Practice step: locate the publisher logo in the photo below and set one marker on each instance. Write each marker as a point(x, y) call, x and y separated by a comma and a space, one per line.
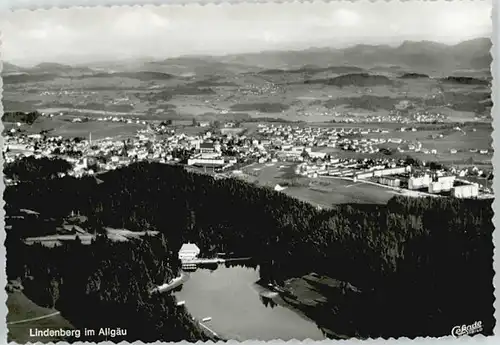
point(461, 330)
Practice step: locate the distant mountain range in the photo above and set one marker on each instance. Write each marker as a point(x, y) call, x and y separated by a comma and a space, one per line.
point(45, 67)
point(472, 54)
point(422, 56)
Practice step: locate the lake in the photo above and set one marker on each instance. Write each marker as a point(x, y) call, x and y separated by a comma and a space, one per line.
point(232, 298)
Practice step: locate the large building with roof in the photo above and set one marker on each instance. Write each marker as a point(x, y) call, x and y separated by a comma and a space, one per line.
point(188, 251)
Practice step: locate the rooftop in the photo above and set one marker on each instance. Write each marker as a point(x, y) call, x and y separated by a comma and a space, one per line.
point(189, 247)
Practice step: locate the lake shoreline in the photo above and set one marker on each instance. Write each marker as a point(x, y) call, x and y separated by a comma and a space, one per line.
point(300, 297)
point(241, 309)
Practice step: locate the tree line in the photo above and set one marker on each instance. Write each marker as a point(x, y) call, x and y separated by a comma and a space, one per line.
point(20, 116)
point(411, 259)
point(105, 284)
point(33, 169)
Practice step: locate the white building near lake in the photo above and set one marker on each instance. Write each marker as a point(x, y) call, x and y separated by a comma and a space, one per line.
point(188, 251)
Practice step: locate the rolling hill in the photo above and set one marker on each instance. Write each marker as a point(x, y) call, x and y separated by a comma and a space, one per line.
point(422, 57)
point(354, 79)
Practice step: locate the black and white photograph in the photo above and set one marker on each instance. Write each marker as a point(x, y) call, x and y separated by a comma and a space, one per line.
point(317, 170)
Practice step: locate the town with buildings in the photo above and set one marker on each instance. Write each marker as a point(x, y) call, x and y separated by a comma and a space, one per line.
point(317, 152)
point(293, 171)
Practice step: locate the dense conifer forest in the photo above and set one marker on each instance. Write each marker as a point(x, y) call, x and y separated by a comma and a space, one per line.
point(105, 284)
point(32, 169)
point(421, 266)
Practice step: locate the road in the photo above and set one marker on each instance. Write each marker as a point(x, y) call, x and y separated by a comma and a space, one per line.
point(397, 190)
point(33, 318)
point(208, 329)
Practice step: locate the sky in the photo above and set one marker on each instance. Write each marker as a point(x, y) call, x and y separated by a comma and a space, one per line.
point(78, 35)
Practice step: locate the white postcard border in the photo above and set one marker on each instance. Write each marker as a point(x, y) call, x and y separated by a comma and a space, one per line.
point(6, 5)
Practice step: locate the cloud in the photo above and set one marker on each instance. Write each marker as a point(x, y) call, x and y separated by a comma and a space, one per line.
point(37, 33)
point(139, 23)
point(468, 23)
point(164, 31)
point(346, 18)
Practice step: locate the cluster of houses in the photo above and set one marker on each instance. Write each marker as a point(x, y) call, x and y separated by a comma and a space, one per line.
point(259, 90)
point(120, 119)
point(64, 92)
point(349, 167)
point(90, 157)
point(312, 136)
point(348, 139)
point(277, 142)
point(432, 182)
point(18, 146)
point(392, 117)
point(393, 173)
point(395, 116)
point(426, 117)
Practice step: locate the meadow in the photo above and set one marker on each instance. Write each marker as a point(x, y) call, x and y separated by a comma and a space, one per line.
point(62, 126)
point(282, 96)
point(21, 308)
point(323, 191)
point(326, 192)
point(98, 130)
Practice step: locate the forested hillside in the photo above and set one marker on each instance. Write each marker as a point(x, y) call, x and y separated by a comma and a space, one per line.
point(412, 259)
point(105, 284)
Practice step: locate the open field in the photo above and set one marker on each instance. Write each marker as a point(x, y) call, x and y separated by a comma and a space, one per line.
point(82, 111)
point(459, 159)
point(99, 130)
point(67, 233)
point(328, 191)
point(62, 126)
point(479, 139)
point(323, 191)
point(311, 94)
point(473, 136)
point(477, 136)
point(22, 308)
